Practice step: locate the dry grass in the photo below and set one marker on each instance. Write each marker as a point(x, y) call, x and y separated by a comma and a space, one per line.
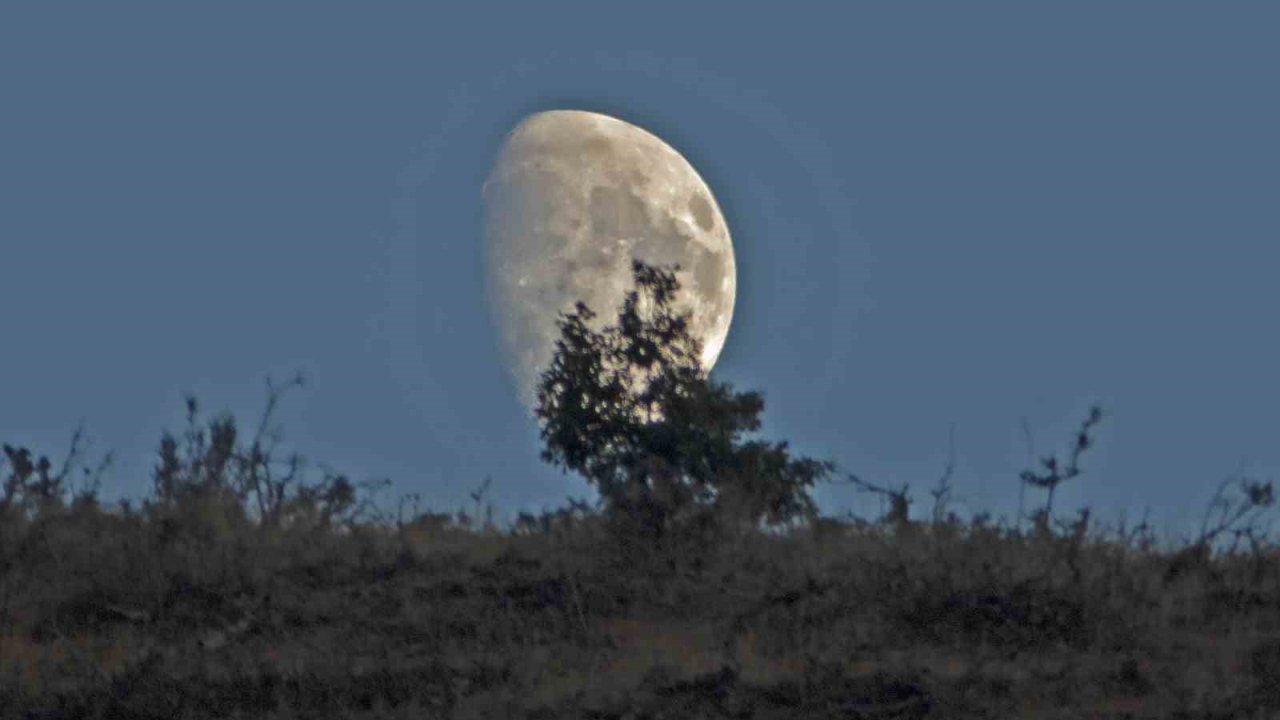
point(455, 622)
point(208, 602)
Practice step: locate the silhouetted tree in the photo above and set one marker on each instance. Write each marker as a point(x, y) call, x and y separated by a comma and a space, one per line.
point(630, 408)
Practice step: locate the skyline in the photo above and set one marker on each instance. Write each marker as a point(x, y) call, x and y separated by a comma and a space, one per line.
point(964, 217)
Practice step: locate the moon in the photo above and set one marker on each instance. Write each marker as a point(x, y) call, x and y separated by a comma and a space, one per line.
point(572, 199)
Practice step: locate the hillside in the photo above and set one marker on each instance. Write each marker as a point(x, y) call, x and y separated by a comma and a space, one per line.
point(208, 600)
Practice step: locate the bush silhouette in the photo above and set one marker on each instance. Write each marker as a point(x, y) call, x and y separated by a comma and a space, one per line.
point(631, 409)
point(240, 587)
point(243, 587)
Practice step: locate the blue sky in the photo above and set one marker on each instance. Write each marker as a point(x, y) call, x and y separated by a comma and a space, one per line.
point(964, 214)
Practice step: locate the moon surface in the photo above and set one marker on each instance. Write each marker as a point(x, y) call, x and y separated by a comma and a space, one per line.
point(573, 197)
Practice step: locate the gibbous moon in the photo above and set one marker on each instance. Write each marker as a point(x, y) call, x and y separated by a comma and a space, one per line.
point(573, 197)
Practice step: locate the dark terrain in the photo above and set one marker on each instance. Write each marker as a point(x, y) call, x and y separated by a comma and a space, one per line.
point(703, 585)
point(191, 604)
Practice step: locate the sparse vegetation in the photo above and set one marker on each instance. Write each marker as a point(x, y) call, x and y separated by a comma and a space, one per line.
point(243, 587)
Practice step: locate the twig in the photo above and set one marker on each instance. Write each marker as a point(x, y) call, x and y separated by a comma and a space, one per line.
point(944, 483)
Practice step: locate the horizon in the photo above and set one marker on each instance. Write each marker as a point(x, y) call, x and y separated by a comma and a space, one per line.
point(984, 218)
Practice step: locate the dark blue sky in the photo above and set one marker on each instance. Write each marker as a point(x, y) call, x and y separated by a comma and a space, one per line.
point(946, 213)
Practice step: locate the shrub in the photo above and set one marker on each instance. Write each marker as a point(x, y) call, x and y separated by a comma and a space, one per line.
point(631, 409)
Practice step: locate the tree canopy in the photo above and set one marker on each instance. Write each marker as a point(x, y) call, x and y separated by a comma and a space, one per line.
point(630, 408)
